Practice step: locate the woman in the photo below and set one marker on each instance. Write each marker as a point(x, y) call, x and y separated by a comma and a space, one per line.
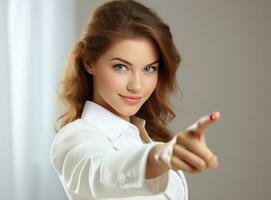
point(113, 142)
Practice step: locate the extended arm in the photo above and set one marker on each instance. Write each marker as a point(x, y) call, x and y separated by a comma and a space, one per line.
point(89, 166)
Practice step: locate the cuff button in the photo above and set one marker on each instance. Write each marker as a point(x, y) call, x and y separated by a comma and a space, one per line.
point(121, 178)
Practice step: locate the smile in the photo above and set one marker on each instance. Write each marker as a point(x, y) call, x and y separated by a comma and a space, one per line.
point(130, 100)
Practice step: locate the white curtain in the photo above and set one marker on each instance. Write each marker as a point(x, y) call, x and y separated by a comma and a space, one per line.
point(35, 37)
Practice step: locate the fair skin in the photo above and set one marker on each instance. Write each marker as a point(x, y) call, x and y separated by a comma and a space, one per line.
point(190, 152)
point(114, 77)
point(130, 68)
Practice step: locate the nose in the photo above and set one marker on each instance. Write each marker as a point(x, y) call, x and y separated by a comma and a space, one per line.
point(134, 84)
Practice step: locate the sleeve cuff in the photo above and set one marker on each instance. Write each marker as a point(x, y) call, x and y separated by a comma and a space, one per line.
point(157, 184)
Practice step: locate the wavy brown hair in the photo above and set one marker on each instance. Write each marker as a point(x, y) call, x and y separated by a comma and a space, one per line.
point(114, 20)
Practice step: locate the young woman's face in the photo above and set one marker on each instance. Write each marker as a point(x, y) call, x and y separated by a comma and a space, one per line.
point(128, 68)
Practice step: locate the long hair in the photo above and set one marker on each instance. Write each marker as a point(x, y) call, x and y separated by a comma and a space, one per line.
point(114, 20)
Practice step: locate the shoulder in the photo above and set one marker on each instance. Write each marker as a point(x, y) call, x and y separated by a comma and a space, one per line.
point(78, 133)
point(77, 125)
point(78, 130)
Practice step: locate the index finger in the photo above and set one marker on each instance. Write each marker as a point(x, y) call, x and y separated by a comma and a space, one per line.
point(202, 124)
point(205, 121)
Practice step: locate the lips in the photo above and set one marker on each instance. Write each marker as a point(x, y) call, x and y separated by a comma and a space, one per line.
point(131, 97)
point(131, 100)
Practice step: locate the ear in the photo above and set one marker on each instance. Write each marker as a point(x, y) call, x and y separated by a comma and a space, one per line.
point(88, 66)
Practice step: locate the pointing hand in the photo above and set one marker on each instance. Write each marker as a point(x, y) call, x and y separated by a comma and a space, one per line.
point(188, 150)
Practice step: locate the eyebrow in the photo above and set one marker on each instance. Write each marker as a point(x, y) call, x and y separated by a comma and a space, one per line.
point(128, 63)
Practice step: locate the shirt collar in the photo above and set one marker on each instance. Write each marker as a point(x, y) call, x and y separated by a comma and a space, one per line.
point(109, 123)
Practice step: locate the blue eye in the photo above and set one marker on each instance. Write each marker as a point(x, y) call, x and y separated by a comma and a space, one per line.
point(118, 67)
point(154, 69)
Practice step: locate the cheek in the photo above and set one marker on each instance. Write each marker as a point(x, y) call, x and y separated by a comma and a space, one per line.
point(111, 82)
point(150, 84)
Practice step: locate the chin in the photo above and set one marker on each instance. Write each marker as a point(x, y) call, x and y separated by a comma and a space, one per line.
point(126, 111)
point(129, 112)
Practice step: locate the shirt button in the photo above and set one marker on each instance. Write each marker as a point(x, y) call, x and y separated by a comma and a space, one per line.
point(121, 178)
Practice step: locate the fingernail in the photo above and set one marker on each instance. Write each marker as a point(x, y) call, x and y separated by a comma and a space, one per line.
point(214, 116)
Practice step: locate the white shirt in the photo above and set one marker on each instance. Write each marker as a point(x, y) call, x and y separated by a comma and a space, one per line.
point(101, 156)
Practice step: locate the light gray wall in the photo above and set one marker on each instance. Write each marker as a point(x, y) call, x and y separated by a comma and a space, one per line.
point(226, 51)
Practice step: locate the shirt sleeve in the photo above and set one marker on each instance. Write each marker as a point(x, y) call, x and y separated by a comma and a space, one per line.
point(88, 165)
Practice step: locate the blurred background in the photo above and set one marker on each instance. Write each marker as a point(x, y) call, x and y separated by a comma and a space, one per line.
point(226, 66)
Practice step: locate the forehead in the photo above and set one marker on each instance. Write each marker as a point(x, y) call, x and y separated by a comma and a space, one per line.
point(140, 50)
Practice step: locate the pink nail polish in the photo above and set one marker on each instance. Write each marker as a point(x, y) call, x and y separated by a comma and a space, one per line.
point(214, 116)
